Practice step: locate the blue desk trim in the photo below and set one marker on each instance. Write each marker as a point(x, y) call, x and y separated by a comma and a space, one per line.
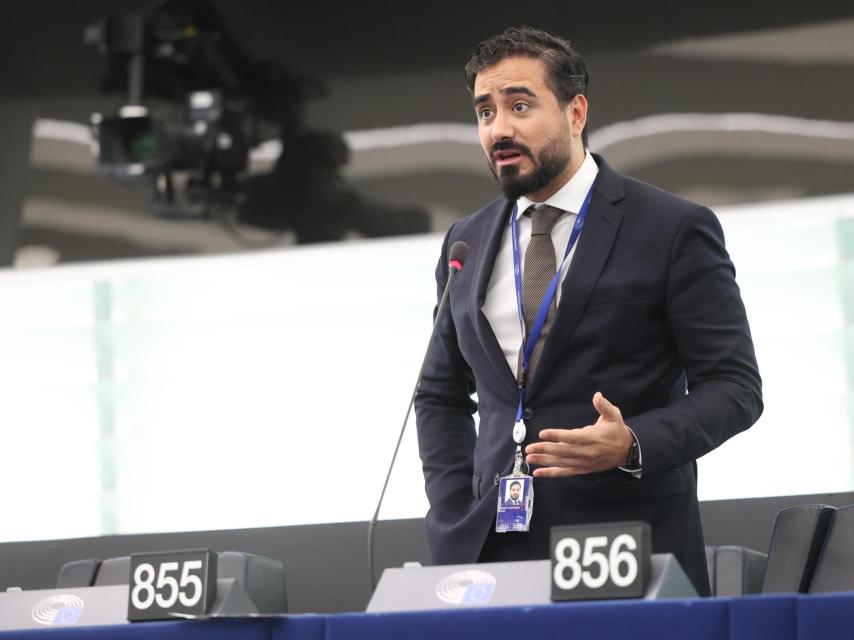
point(777, 617)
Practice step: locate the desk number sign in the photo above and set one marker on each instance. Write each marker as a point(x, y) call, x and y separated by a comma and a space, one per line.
point(600, 561)
point(164, 583)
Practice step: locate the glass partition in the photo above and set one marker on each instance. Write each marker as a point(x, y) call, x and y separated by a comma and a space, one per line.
point(267, 389)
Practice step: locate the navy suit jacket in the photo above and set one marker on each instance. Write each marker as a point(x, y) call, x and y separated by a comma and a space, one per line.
point(651, 316)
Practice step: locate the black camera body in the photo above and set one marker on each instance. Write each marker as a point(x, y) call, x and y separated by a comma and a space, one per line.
point(193, 108)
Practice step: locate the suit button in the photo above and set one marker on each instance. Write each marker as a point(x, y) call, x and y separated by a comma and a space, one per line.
point(528, 413)
point(497, 479)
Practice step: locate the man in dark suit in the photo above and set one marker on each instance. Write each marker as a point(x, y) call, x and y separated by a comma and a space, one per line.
point(513, 500)
point(644, 362)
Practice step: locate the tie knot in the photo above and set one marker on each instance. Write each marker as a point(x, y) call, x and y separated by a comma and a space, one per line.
point(543, 219)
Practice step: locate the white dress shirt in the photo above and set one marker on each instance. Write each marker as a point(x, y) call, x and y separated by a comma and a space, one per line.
point(500, 306)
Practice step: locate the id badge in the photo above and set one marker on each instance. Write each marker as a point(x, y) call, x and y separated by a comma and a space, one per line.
point(515, 503)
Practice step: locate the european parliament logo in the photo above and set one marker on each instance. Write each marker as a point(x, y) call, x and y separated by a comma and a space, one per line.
point(56, 610)
point(470, 587)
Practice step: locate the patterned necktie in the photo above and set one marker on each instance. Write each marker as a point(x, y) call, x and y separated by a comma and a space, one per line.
point(540, 267)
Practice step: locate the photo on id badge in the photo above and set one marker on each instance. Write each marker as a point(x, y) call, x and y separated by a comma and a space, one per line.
point(513, 504)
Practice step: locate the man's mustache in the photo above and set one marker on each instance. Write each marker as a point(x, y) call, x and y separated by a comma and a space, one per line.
point(509, 145)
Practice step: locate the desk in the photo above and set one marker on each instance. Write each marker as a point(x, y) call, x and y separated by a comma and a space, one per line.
point(777, 617)
point(299, 627)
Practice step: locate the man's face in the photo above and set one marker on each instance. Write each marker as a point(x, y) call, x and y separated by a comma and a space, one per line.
point(514, 491)
point(533, 145)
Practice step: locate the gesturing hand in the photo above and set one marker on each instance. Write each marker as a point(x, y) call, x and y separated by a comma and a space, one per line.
point(597, 447)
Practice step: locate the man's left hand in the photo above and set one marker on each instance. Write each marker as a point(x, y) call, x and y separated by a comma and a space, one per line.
point(597, 447)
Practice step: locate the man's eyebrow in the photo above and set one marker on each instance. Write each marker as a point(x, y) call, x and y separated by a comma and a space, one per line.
point(506, 91)
point(509, 91)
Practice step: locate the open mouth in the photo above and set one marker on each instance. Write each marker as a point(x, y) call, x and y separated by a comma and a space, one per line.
point(506, 157)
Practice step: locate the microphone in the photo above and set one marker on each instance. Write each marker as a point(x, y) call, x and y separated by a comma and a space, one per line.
point(456, 259)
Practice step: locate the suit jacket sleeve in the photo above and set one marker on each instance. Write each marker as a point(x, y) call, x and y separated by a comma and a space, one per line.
point(444, 414)
point(709, 328)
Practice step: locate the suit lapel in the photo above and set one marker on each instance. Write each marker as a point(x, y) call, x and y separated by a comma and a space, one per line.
point(490, 242)
point(591, 254)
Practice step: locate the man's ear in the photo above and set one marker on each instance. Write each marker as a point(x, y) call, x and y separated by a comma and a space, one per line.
point(576, 114)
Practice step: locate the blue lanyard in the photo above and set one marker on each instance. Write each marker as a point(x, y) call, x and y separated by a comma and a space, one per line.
point(540, 320)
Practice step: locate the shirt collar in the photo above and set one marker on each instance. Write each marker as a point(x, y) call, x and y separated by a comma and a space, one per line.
point(570, 196)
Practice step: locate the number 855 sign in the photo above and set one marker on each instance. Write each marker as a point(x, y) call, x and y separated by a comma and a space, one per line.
point(171, 582)
point(600, 561)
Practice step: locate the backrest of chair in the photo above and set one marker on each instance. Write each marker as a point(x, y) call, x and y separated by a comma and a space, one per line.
point(834, 570)
point(711, 551)
point(738, 571)
point(78, 573)
point(796, 541)
point(113, 571)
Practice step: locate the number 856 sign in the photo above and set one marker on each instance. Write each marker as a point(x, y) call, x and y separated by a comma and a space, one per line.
point(171, 582)
point(600, 561)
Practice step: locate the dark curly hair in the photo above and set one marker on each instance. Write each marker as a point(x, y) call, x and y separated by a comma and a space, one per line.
point(566, 74)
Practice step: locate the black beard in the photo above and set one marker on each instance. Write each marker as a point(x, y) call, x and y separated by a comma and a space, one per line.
point(548, 166)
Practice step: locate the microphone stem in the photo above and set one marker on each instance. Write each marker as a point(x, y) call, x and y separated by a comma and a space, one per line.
point(375, 518)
